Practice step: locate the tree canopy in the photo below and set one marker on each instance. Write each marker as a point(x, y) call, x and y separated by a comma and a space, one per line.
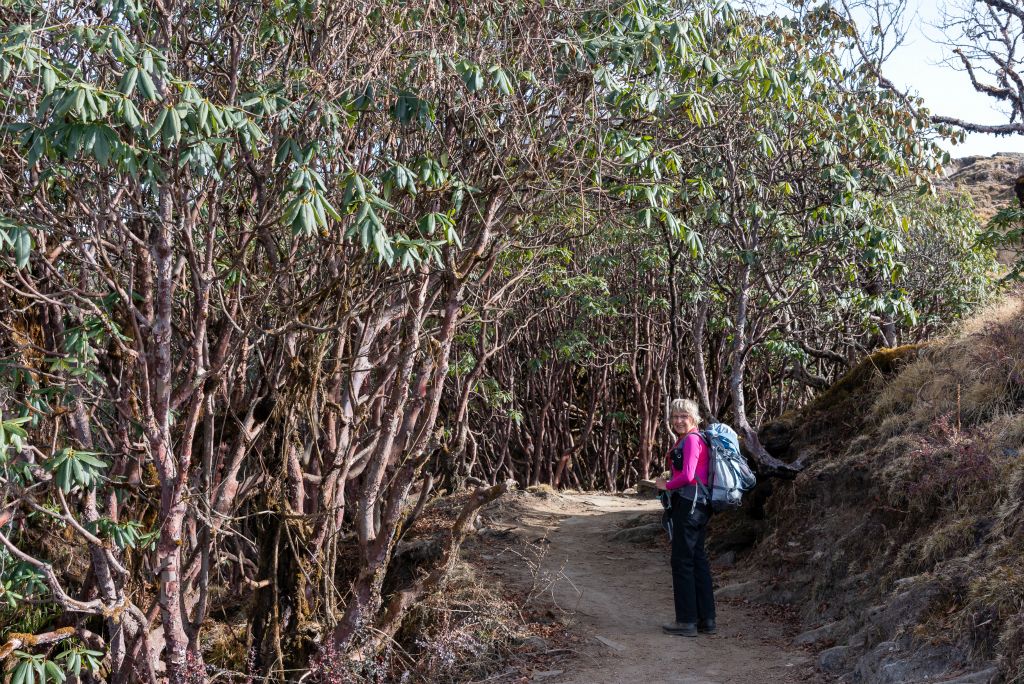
point(271, 269)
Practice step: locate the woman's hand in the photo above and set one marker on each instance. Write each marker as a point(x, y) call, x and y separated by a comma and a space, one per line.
point(660, 482)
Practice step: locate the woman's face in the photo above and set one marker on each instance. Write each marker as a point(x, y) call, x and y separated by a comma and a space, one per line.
point(681, 423)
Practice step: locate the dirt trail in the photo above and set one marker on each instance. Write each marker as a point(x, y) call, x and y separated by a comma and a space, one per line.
point(619, 593)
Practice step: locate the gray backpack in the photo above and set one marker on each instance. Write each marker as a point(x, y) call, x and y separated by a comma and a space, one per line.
point(728, 471)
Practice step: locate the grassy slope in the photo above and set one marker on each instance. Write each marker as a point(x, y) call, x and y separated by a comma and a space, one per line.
point(907, 527)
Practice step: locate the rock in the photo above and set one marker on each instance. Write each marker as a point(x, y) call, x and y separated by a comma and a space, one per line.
point(832, 631)
point(642, 519)
point(742, 590)
point(739, 535)
point(535, 643)
point(872, 660)
point(646, 487)
point(889, 663)
point(989, 180)
point(611, 644)
point(494, 531)
point(781, 597)
point(419, 551)
point(725, 560)
point(986, 676)
point(639, 535)
point(909, 669)
point(546, 674)
point(904, 608)
point(834, 660)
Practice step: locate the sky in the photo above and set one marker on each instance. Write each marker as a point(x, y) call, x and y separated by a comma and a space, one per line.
point(917, 66)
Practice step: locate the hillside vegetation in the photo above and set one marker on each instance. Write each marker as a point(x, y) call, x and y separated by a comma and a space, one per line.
point(902, 542)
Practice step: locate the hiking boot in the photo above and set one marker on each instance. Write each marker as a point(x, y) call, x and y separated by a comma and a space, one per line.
point(706, 627)
point(681, 628)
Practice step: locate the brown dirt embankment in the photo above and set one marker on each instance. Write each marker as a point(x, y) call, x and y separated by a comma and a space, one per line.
point(902, 543)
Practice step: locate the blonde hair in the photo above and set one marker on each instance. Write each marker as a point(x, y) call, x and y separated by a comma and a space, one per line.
point(687, 407)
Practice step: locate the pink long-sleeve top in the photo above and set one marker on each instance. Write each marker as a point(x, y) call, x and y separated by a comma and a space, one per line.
point(695, 462)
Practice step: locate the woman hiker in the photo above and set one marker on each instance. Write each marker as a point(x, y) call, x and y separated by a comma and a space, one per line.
point(691, 573)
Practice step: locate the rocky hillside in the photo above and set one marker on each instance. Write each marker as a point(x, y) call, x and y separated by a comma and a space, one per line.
point(990, 183)
point(988, 180)
point(902, 542)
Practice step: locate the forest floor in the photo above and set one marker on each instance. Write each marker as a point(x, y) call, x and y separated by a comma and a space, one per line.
point(561, 552)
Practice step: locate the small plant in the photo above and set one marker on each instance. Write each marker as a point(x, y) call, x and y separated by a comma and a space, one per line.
point(76, 658)
point(73, 468)
point(36, 669)
point(329, 667)
point(126, 535)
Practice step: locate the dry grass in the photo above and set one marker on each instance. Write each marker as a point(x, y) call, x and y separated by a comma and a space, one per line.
point(893, 425)
point(999, 592)
point(1011, 650)
point(224, 645)
point(972, 375)
point(948, 539)
point(542, 490)
point(1008, 433)
point(1010, 509)
point(837, 416)
point(929, 486)
point(466, 632)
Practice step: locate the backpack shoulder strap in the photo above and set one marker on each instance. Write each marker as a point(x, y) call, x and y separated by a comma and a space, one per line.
point(711, 466)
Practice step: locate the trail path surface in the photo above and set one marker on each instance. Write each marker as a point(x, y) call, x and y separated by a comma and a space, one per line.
point(619, 593)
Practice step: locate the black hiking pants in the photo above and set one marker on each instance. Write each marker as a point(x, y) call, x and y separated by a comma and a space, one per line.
point(691, 573)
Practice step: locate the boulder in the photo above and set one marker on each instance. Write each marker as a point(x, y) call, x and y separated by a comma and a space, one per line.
point(831, 632)
point(835, 660)
point(724, 560)
point(892, 662)
point(904, 608)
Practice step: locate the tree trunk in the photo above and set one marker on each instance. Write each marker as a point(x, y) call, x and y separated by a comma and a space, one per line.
point(699, 370)
point(740, 349)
